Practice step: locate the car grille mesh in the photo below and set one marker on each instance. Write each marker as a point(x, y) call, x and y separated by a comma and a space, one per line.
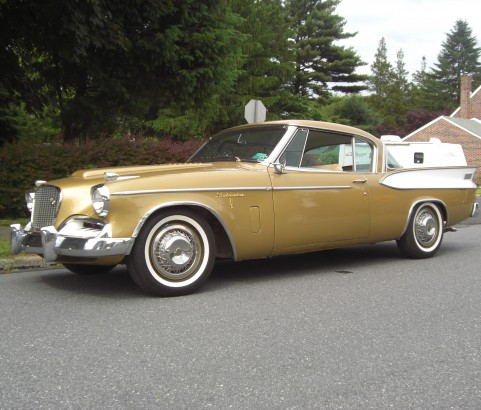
point(46, 206)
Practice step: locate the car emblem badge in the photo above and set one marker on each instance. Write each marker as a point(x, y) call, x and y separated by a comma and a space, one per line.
point(53, 201)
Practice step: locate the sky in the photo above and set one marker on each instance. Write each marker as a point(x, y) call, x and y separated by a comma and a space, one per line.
point(418, 27)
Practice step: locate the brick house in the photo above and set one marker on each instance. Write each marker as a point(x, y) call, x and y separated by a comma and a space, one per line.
point(463, 126)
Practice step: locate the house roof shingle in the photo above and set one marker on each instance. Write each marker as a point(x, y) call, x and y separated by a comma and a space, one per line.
point(473, 126)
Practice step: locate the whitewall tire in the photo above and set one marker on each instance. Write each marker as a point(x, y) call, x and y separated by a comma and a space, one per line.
point(424, 233)
point(173, 254)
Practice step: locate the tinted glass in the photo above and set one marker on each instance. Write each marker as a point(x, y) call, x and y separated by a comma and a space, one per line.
point(251, 144)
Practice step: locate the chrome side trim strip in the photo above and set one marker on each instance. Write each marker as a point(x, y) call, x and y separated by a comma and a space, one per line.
point(187, 190)
point(310, 188)
point(249, 189)
point(312, 170)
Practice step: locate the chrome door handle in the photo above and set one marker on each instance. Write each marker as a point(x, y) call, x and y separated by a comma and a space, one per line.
point(360, 181)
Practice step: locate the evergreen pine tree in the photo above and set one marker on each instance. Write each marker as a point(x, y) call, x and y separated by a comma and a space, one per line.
point(419, 77)
point(418, 86)
point(263, 72)
point(400, 98)
point(459, 55)
point(318, 60)
point(391, 90)
point(267, 66)
point(382, 73)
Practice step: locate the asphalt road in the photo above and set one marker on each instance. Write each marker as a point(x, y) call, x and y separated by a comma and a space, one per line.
point(359, 328)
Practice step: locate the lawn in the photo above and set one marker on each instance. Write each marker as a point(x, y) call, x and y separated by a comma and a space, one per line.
point(5, 249)
point(7, 222)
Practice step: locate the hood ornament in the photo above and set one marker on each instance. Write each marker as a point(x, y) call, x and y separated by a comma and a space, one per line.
point(113, 176)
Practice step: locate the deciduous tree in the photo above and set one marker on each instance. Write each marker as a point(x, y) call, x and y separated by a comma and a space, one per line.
point(102, 59)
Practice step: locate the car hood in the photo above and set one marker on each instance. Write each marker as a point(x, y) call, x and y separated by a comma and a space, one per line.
point(141, 170)
point(76, 189)
point(188, 175)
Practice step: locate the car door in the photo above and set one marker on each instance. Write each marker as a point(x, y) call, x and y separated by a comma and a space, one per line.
point(323, 194)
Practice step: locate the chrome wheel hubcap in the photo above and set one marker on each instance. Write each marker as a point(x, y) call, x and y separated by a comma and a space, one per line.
point(426, 229)
point(175, 252)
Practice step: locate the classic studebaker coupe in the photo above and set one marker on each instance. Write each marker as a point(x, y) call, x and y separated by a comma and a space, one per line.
point(250, 192)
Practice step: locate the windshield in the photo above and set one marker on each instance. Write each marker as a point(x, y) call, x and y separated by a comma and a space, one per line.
point(246, 144)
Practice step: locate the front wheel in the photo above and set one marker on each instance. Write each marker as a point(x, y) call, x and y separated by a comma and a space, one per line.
point(173, 254)
point(424, 233)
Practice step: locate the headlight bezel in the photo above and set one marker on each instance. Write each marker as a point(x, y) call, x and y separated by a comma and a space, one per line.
point(30, 200)
point(100, 196)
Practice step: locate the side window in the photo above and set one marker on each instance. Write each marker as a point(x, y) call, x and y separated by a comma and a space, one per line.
point(328, 151)
point(292, 156)
point(363, 155)
point(325, 150)
point(317, 149)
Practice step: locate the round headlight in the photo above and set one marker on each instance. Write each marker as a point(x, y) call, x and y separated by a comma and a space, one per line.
point(100, 200)
point(30, 198)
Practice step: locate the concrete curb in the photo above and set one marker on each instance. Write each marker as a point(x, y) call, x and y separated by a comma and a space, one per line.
point(24, 263)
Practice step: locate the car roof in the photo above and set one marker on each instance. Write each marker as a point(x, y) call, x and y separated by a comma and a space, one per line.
point(312, 124)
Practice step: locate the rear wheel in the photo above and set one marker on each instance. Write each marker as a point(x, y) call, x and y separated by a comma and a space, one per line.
point(88, 269)
point(424, 233)
point(173, 254)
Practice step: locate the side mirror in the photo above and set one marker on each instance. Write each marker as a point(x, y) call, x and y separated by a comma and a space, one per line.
point(279, 168)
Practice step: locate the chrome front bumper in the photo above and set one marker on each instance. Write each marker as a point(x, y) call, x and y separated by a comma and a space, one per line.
point(79, 243)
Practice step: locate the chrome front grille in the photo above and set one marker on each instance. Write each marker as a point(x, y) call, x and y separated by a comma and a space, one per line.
point(46, 206)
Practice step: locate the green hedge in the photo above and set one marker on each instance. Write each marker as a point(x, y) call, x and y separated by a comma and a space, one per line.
point(23, 163)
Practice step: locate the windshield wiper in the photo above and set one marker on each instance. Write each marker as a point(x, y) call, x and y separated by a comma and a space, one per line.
point(225, 158)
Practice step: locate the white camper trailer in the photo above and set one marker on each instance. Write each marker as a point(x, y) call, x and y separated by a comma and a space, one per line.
point(434, 153)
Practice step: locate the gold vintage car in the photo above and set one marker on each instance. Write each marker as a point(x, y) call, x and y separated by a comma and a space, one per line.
point(253, 191)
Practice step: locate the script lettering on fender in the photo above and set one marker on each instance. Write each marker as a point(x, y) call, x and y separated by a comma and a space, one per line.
point(229, 195)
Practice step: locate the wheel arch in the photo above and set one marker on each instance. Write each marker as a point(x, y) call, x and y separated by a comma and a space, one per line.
point(225, 246)
point(440, 204)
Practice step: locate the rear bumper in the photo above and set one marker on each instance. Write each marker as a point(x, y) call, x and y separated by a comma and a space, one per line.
point(81, 243)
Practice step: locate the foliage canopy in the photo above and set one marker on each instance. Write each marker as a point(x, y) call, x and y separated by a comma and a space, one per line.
point(187, 68)
point(104, 65)
point(100, 60)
